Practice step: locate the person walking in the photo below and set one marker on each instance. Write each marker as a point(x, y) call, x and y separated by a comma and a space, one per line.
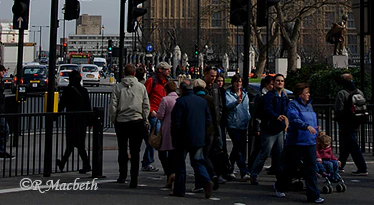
point(238, 116)
point(273, 124)
point(166, 153)
point(155, 89)
point(348, 127)
point(4, 127)
point(75, 98)
point(211, 133)
point(128, 111)
point(300, 145)
point(189, 120)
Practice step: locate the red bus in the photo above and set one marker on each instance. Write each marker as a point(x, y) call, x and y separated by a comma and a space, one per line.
point(80, 58)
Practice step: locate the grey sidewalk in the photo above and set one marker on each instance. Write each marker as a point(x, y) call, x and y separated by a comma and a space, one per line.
point(360, 189)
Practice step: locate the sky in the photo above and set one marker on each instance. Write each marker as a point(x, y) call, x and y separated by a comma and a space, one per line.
point(40, 11)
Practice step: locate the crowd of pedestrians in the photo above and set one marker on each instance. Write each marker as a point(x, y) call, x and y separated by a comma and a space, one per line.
point(196, 121)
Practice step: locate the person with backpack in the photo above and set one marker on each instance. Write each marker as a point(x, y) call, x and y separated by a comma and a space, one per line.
point(349, 101)
point(155, 89)
point(273, 124)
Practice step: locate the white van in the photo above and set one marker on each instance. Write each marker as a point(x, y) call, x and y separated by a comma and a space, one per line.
point(100, 62)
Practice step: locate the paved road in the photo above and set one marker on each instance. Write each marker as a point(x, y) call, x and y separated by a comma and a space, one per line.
point(360, 189)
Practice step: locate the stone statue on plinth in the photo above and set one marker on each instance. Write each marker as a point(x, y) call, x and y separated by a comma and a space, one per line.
point(336, 36)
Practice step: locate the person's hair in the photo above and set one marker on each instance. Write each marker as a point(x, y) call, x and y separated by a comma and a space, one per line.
point(323, 139)
point(299, 88)
point(209, 68)
point(140, 73)
point(186, 85)
point(170, 87)
point(75, 77)
point(277, 75)
point(2, 68)
point(129, 69)
point(266, 81)
point(236, 78)
point(221, 75)
point(346, 77)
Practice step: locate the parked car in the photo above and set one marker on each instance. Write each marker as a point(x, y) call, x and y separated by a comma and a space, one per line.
point(35, 77)
point(90, 74)
point(62, 79)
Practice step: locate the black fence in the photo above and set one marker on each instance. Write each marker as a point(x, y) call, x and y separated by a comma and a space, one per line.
point(27, 143)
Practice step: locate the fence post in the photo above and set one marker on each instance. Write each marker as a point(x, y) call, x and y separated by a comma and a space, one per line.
point(97, 152)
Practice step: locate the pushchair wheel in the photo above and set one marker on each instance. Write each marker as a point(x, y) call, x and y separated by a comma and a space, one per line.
point(341, 187)
point(327, 189)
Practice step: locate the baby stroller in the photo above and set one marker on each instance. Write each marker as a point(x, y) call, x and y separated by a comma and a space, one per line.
point(328, 187)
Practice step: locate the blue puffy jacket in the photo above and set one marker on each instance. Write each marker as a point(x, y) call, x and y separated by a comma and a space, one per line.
point(301, 116)
point(238, 114)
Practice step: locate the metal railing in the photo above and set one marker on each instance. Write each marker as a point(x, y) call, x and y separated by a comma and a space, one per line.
point(27, 140)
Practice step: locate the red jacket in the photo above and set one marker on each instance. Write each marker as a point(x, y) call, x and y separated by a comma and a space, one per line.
point(325, 153)
point(156, 93)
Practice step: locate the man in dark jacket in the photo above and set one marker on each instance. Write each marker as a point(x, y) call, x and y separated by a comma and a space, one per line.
point(189, 120)
point(4, 128)
point(348, 128)
point(75, 98)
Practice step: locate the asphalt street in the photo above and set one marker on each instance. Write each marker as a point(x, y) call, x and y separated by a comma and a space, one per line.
point(150, 191)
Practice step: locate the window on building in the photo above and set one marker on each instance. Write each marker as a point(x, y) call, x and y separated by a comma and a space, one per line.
point(172, 10)
point(352, 43)
point(183, 8)
point(217, 19)
point(189, 6)
point(166, 7)
point(351, 21)
point(307, 22)
point(329, 19)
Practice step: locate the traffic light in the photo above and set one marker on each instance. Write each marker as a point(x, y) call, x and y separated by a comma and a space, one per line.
point(196, 49)
point(133, 13)
point(72, 9)
point(238, 12)
point(20, 10)
point(65, 47)
point(110, 45)
point(262, 7)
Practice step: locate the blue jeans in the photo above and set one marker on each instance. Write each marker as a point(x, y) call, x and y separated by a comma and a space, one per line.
point(4, 134)
point(268, 142)
point(349, 145)
point(332, 167)
point(197, 163)
point(149, 152)
point(292, 156)
point(236, 154)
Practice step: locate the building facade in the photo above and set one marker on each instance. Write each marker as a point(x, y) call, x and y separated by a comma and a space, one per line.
point(88, 25)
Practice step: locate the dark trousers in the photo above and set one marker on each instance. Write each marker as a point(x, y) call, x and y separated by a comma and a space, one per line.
point(4, 134)
point(167, 158)
point(237, 153)
point(197, 163)
point(128, 132)
point(293, 155)
point(349, 145)
point(76, 137)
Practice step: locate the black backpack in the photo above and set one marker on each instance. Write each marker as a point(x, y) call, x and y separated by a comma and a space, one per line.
point(357, 107)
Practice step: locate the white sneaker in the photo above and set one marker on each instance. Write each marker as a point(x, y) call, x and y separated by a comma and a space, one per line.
point(232, 176)
point(279, 194)
point(245, 178)
point(319, 200)
point(197, 190)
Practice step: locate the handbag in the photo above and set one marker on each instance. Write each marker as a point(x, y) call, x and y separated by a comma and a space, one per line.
point(155, 139)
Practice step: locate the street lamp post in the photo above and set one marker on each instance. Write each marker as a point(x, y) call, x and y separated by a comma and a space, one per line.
point(40, 39)
point(102, 40)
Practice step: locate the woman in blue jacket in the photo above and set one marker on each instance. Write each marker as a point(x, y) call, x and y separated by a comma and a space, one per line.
point(300, 144)
point(238, 116)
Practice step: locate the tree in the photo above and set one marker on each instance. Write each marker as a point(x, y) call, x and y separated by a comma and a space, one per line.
point(297, 11)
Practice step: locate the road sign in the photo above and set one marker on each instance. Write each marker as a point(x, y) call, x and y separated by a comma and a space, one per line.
point(21, 14)
point(149, 47)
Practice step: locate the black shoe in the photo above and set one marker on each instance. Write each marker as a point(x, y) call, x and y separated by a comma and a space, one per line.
point(121, 180)
point(85, 170)
point(254, 181)
point(133, 184)
point(60, 165)
point(215, 183)
point(6, 155)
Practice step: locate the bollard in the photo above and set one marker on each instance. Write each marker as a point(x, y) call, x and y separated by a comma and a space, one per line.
point(97, 152)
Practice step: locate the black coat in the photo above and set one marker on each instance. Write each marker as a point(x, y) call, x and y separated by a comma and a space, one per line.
point(75, 98)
